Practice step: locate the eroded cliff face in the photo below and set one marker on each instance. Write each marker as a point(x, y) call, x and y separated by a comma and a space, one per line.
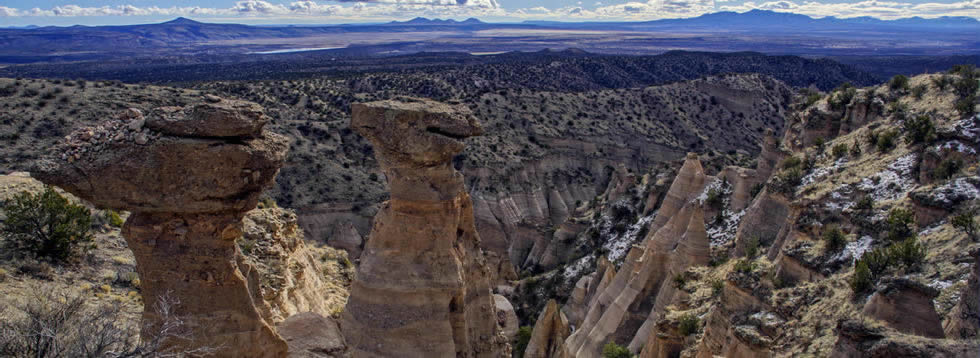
point(188, 191)
point(859, 178)
point(423, 286)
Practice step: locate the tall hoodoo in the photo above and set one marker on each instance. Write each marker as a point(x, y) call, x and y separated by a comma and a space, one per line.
point(422, 288)
point(188, 175)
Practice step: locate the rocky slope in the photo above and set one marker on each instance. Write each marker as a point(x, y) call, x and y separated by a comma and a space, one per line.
point(858, 244)
point(544, 152)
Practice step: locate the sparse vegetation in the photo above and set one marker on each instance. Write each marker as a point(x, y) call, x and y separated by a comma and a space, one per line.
point(898, 82)
point(46, 225)
point(947, 168)
point(689, 324)
point(613, 350)
point(965, 223)
point(839, 150)
point(521, 341)
point(886, 141)
point(834, 238)
point(920, 129)
point(744, 266)
point(899, 225)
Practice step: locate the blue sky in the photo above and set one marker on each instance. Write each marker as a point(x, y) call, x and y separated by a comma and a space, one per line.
point(98, 12)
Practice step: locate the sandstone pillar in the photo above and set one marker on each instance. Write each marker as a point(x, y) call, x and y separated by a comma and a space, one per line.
point(188, 175)
point(422, 288)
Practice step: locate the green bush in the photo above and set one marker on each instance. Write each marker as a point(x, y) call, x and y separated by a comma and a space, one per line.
point(835, 238)
point(909, 253)
point(716, 199)
point(947, 168)
point(812, 98)
point(878, 262)
point(613, 350)
point(862, 281)
point(679, 281)
point(919, 90)
point(744, 266)
point(113, 218)
point(839, 150)
point(689, 324)
point(752, 247)
point(898, 82)
point(792, 162)
point(920, 129)
point(866, 203)
point(786, 181)
point(966, 105)
point(942, 82)
point(966, 85)
point(965, 223)
point(838, 100)
point(900, 225)
point(46, 225)
point(886, 141)
point(521, 341)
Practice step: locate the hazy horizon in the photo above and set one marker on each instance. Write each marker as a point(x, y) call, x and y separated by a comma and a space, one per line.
point(258, 12)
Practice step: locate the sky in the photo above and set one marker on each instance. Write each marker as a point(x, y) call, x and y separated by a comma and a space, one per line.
point(116, 12)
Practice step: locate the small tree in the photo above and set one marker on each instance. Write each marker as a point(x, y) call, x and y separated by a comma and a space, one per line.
point(900, 224)
point(689, 324)
point(919, 130)
point(862, 281)
point(898, 82)
point(965, 223)
point(835, 238)
point(46, 225)
point(521, 341)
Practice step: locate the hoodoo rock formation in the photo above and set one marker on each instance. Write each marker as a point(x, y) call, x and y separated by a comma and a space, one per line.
point(423, 287)
point(188, 179)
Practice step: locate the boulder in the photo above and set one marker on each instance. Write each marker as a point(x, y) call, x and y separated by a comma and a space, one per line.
point(215, 118)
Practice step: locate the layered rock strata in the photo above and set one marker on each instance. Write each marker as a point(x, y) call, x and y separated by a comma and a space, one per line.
point(422, 288)
point(188, 178)
point(627, 309)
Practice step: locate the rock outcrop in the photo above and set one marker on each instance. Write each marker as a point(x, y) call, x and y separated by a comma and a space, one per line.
point(288, 275)
point(548, 336)
point(422, 288)
point(627, 310)
point(906, 306)
point(964, 319)
point(188, 190)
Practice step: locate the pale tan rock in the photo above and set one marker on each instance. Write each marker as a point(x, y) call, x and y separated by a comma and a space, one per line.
point(291, 276)
point(964, 319)
point(506, 317)
point(626, 310)
point(188, 197)
point(549, 333)
point(222, 118)
point(907, 306)
point(687, 185)
point(311, 335)
point(422, 288)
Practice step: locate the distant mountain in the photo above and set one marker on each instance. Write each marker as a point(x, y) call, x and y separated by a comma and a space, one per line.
point(768, 19)
point(798, 34)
